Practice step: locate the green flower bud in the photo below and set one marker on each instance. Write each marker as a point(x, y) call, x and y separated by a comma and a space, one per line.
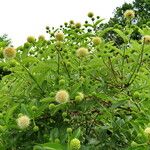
point(47, 27)
point(69, 130)
point(64, 114)
point(57, 141)
point(61, 82)
point(82, 79)
point(78, 98)
point(2, 128)
point(52, 106)
point(31, 39)
point(68, 64)
point(71, 22)
point(35, 128)
point(78, 25)
point(75, 144)
point(59, 43)
point(52, 94)
point(90, 14)
point(134, 144)
point(65, 23)
point(34, 108)
point(41, 37)
point(19, 115)
point(96, 40)
point(136, 95)
point(26, 45)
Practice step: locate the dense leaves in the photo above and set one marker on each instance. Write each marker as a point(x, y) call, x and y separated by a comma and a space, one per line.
point(69, 93)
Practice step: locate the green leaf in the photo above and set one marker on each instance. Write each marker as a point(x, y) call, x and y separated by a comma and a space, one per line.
point(10, 112)
point(97, 22)
point(49, 146)
point(118, 104)
point(47, 100)
point(77, 133)
point(121, 34)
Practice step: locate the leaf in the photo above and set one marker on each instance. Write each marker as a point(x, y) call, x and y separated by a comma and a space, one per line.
point(103, 32)
point(118, 104)
point(88, 25)
point(77, 133)
point(121, 34)
point(9, 113)
point(97, 22)
point(49, 146)
point(47, 100)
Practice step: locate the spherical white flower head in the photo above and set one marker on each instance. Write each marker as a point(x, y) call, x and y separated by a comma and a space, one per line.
point(23, 122)
point(9, 52)
point(62, 96)
point(129, 14)
point(147, 131)
point(59, 36)
point(96, 40)
point(146, 39)
point(82, 52)
point(75, 144)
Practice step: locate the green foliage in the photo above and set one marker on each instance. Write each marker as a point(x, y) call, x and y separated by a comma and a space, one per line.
point(108, 89)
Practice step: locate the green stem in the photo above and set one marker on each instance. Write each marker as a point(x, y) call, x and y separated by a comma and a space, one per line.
point(65, 65)
point(137, 67)
point(58, 62)
point(32, 77)
point(68, 145)
point(112, 69)
point(122, 65)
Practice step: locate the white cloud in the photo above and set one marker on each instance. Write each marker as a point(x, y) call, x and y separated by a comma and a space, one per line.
point(20, 18)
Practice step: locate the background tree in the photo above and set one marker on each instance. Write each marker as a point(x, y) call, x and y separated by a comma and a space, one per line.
point(142, 12)
point(142, 19)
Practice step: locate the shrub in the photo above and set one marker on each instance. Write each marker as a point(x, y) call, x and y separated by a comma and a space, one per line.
point(103, 97)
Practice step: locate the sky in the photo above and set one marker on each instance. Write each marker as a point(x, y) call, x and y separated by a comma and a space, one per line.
point(22, 18)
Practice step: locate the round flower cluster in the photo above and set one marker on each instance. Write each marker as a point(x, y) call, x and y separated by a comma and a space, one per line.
point(129, 14)
point(31, 39)
point(79, 97)
point(75, 144)
point(9, 52)
point(81, 52)
point(62, 96)
point(23, 122)
point(78, 25)
point(59, 36)
point(146, 39)
point(90, 14)
point(96, 40)
point(71, 22)
point(41, 37)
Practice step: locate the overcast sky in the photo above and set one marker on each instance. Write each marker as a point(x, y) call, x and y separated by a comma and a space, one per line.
point(20, 18)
